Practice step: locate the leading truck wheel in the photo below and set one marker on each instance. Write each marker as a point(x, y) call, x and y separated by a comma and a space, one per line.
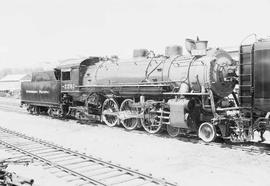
point(207, 132)
point(110, 111)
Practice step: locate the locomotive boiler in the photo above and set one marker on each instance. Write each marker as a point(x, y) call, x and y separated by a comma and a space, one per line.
point(193, 73)
point(172, 91)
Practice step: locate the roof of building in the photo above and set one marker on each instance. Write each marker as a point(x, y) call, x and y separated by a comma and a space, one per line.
point(15, 77)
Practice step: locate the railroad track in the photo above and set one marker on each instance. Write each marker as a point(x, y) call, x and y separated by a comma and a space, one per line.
point(251, 147)
point(72, 165)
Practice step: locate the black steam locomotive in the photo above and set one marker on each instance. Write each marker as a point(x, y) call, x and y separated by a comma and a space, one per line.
point(183, 94)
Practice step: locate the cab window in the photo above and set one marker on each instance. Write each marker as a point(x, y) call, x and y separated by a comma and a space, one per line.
point(66, 76)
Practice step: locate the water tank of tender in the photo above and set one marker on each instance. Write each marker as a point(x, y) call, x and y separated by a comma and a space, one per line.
point(44, 89)
point(261, 54)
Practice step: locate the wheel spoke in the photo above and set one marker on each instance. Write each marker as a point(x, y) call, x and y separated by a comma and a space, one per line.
point(129, 123)
point(173, 131)
point(150, 123)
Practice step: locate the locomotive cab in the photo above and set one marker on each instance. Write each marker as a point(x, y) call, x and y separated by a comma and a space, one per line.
point(72, 73)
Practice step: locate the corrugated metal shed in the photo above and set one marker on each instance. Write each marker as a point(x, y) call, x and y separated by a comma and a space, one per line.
point(13, 82)
point(15, 77)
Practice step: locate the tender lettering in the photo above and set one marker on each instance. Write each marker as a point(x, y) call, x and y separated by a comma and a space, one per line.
point(31, 91)
point(37, 91)
point(43, 91)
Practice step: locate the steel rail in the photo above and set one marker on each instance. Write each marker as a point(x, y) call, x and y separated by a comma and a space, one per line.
point(245, 146)
point(133, 174)
point(51, 163)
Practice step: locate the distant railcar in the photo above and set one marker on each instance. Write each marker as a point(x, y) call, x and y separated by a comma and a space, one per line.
point(254, 86)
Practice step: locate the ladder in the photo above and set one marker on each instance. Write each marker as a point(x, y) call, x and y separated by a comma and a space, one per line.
point(246, 81)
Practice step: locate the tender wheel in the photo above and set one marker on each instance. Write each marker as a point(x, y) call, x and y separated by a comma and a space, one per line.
point(34, 110)
point(207, 132)
point(79, 115)
point(150, 122)
point(110, 111)
point(55, 112)
point(173, 131)
point(30, 109)
point(130, 123)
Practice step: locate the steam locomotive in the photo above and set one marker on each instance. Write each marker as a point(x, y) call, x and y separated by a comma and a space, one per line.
point(180, 94)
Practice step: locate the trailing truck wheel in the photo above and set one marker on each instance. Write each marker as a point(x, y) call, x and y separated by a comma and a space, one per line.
point(207, 132)
point(50, 112)
point(129, 123)
point(110, 111)
point(30, 109)
point(173, 131)
point(150, 122)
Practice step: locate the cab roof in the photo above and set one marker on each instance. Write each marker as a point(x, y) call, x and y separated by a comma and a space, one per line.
point(77, 62)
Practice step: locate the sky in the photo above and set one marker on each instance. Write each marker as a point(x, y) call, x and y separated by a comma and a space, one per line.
point(35, 32)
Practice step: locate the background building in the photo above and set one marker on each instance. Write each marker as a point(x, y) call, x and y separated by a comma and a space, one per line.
point(11, 84)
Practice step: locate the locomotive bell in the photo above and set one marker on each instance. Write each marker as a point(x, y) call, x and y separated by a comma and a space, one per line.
point(174, 50)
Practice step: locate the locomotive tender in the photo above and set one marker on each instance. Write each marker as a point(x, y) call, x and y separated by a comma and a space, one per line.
point(183, 94)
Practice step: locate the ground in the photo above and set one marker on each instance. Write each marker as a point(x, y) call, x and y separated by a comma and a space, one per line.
point(41, 177)
point(178, 161)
